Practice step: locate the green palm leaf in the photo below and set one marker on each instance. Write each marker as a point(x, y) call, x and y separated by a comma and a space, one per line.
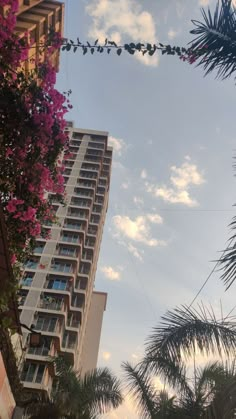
point(142, 391)
point(215, 43)
point(184, 329)
point(100, 390)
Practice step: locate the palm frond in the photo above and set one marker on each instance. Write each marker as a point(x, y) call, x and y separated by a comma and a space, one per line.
point(215, 43)
point(100, 390)
point(228, 259)
point(223, 405)
point(184, 329)
point(141, 389)
point(211, 375)
point(172, 372)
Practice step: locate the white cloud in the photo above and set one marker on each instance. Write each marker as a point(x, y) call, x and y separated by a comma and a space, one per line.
point(137, 200)
point(110, 273)
point(181, 180)
point(125, 185)
point(143, 174)
point(106, 356)
point(186, 175)
point(121, 20)
point(134, 251)
point(138, 229)
point(172, 34)
point(118, 145)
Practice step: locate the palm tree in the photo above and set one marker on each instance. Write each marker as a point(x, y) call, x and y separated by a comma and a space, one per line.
point(195, 402)
point(76, 397)
point(150, 403)
point(215, 43)
point(180, 334)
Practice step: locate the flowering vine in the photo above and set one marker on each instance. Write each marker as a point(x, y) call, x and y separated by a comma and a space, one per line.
point(32, 137)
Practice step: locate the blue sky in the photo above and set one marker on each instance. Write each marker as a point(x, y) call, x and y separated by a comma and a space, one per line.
point(172, 186)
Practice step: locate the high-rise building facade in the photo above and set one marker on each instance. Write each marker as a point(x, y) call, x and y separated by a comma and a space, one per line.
point(57, 296)
point(34, 20)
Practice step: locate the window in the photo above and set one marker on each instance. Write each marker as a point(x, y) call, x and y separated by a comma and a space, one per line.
point(73, 225)
point(84, 268)
point(96, 145)
point(62, 267)
point(68, 163)
point(57, 284)
point(78, 301)
point(67, 251)
point(70, 237)
point(67, 172)
point(82, 192)
point(27, 279)
point(22, 297)
point(33, 373)
point(42, 350)
point(39, 248)
point(51, 303)
point(81, 283)
point(88, 175)
point(31, 264)
point(80, 202)
point(73, 320)
point(76, 213)
point(77, 135)
point(46, 323)
point(69, 340)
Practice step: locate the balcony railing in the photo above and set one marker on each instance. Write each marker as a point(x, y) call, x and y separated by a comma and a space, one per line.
point(57, 305)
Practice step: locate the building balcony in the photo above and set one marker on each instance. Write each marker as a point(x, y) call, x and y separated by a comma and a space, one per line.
point(73, 322)
point(81, 283)
point(96, 146)
point(52, 303)
point(88, 175)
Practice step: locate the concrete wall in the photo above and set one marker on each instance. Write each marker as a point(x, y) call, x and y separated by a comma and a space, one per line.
point(93, 332)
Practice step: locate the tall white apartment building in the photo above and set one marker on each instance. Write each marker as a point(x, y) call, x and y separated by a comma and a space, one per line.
point(57, 296)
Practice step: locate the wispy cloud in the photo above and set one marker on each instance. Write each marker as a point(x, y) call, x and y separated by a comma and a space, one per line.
point(137, 229)
point(143, 174)
point(122, 19)
point(118, 145)
point(138, 201)
point(125, 185)
point(138, 254)
point(181, 180)
point(110, 273)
